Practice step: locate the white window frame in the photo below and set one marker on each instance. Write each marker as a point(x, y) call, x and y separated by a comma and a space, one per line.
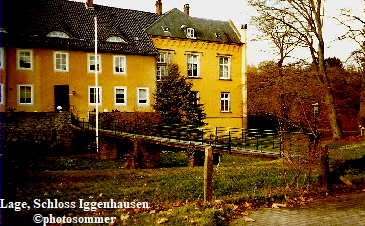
point(139, 96)
point(100, 95)
point(89, 62)
point(190, 33)
point(1, 58)
point(225, 68)
point(19, 56)
point(123, 61)
point(193, 59)
point(225, 102)
point(2, 94)
point(31, 94)
point(161, 70)
point(55, 61)
point(115, 95)
point(163, 59)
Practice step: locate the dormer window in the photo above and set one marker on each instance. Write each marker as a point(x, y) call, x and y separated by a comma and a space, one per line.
point(190, 33)
point(58, 34)
point(165, 29)
point(115, 39)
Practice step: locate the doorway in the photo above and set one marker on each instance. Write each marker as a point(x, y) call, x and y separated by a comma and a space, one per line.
point(62, 97)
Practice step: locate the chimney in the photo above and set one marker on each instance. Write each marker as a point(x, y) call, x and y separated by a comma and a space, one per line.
point(159, 7)
point(90, 3)
point(186, 9)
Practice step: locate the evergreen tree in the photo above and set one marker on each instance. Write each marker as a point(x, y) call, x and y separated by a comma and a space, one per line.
point(176, 102)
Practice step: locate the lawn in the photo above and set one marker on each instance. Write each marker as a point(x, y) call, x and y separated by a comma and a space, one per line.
point(173, 192)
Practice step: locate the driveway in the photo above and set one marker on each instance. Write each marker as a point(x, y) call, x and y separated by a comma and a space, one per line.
point(343, 210)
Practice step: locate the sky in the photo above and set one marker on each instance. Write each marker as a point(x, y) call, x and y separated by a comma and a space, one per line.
point(240, 13)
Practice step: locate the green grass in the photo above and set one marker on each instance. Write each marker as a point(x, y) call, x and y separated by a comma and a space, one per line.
point(347, 151)
point(173, 191)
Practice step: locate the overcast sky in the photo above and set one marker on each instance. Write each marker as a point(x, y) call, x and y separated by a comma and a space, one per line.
point(240, 13)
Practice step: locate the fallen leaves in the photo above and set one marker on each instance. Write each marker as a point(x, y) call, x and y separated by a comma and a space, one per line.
point(162, 220)
point(278, 205)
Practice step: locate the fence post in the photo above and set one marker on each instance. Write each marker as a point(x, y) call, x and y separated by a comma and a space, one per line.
point(208, 174)
point(229, 142)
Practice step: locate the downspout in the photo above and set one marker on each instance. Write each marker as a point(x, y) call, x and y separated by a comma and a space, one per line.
point(244, 75)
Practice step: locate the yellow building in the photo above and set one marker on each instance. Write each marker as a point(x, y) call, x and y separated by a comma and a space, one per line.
point(48, 61)
point(212, 54)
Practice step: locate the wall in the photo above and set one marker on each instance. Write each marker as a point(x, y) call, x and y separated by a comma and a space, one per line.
point(34, 129)
point(209, 85)
point(140, 72)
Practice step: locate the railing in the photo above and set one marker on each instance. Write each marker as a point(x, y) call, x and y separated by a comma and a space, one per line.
point(222, 137)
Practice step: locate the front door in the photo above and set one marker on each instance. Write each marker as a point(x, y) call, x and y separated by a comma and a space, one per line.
point(62, 98)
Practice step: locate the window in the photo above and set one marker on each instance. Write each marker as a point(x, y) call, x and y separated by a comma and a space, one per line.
point(25, 94)
point(93, 97)
point(142, 95)
point(193, 65)
point(24, 59)
point(92, 63)
point(1, 94)
point(60, 61)
point(194, 98)
point(163, 59)
point(115, 39)
point(58, 34)
point(119, 65)
point(120, 96)
point(224, 67)
point(1, 57)
point(225, 102)
point(161, 71)
point(190, 33)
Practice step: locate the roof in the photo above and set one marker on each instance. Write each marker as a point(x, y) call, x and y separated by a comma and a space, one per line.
point(28, 22)
point(174, 22)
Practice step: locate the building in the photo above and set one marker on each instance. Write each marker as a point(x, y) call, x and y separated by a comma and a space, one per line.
point(212, 54)
point(47, 59)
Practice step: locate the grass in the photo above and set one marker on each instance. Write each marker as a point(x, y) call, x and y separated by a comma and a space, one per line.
point(174, 191)
point(347, 151)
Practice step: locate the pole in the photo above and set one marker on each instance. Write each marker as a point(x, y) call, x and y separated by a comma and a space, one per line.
point(96, 85)
point(208, 174)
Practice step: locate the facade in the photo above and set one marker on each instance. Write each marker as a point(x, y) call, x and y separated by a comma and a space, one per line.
point(47, 59)
point(212, 55)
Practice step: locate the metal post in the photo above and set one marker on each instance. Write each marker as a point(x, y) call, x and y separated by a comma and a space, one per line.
point(96, 85)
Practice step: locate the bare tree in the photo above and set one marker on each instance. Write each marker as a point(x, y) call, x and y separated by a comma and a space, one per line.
point(282, 36)
point(356, 32)
point(306, 20)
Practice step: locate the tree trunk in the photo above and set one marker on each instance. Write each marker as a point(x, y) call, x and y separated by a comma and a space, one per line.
point(337, 132)
point(362, 101)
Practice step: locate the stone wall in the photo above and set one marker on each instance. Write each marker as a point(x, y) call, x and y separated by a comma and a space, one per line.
point(43, 130)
